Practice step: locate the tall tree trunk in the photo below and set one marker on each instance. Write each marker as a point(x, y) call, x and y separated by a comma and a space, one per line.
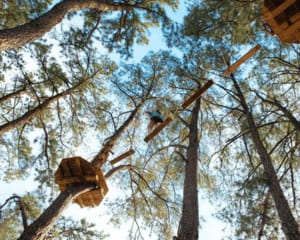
point(189, 224)
point(39, 228)
point(288, 222)
point(20, 35)
point(103, 154)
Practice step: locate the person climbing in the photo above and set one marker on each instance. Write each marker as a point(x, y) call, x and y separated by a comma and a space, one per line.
point(156, 118)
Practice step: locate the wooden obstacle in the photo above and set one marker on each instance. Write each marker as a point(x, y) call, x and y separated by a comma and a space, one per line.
point(122, 156)
point(187, 103)
point(76, 170)
point(283, 17)
point(158, 129)
point(197, 94)
point(243, 59)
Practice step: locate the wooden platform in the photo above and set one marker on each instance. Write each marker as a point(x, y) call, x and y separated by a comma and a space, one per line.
point(243, 59)
point(283, 16)
point(158, 129)
point(77, 170)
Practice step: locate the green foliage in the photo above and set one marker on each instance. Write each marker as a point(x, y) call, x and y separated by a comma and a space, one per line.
point(97, 96)
point(16, 12)
point(67, 228)
point(11, 223)
point(232, 21)
point(122, 30)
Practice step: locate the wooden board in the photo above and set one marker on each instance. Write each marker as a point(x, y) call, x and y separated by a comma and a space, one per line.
point(243, 59)
point(90, 199)
point(70, 180)
point(77, 170)
point(122, 156)
point(283, 18)
point(158, 129)
point(197, 94)
point(281, 7)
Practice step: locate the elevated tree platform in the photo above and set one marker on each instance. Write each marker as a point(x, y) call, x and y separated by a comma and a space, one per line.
point(158, 129)
point(243, 59)
point(283, 17)
point(76, 170)
point(122, 156)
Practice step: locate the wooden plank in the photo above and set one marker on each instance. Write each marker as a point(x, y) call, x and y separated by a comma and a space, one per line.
point(122, 156)
point(79, 201)
point(77, 167)
point(282, 7)
point(64, 167)
point(295, 17)
point(97, 196)
point(289, 32)
point(74, 179)
point(158, 129)
point(244, 58)
point(101, 181)
point(267, 15)
point(58, 174)
point(197, 94)
point(89, 200)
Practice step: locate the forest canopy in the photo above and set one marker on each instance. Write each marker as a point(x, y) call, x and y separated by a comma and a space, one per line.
point(74, 86)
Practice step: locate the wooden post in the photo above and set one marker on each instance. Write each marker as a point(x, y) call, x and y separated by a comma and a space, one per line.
point(197, 94)
point(122, 156)
point(158, 129)
point(244, 58)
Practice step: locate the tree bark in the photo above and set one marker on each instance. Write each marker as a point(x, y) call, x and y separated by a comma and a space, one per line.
point(40, 227)
point(20, 35)
point(288, 222)
point(12, 95)
point(189, 224)
point(103, 154)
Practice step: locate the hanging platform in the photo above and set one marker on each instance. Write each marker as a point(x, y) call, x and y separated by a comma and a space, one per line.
point(122, 156)
point(158, 129)
point(76, 170)
point(197, 94)
point(283, 17)
point(243, 59)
